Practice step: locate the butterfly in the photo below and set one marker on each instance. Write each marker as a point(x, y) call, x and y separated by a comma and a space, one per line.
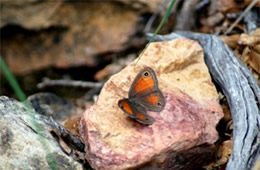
point(144, 95)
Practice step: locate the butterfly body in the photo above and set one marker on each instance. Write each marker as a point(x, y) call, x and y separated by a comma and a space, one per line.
point(144, 95)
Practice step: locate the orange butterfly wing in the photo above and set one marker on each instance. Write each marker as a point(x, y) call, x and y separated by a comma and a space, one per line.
point(144, 82)
point(152, 102)
point(126, 106)
point(135, 111)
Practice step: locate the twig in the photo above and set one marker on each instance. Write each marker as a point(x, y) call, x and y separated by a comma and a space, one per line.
point(250, 6)
point(202, 4)
point(183, 18)
point(152, 18)
point(73, 83)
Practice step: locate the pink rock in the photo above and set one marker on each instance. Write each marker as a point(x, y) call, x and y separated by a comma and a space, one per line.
point(183, 134)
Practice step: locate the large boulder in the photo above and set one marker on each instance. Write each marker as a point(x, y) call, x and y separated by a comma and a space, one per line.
point(25, 140)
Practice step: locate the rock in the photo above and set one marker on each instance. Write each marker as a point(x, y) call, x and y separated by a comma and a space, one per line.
point(183, 134)
point(61, 110)
point(25, 140)
point(50, 105)
point(45, 14)
point(63, 34)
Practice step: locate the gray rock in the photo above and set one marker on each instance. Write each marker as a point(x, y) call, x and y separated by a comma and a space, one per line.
point(51, 105)
point(25, 141)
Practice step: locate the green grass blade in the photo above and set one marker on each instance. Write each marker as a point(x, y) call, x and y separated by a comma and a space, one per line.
point(168, 12)
point(21, 96)
point(10, 78)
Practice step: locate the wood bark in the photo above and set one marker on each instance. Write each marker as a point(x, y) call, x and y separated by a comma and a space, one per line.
point(242, 92)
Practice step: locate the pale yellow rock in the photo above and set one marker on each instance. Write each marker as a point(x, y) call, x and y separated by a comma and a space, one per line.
point(179, 64)
point(181, 70)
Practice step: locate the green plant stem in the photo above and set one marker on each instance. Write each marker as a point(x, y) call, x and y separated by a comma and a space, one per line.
point(10, 78)
point(21, 96)
point(168, 12)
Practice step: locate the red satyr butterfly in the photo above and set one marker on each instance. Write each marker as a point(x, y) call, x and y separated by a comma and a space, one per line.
point(144, 95)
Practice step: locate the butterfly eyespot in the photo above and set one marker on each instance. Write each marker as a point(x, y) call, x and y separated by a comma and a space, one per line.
point(146, 74)
point(159, 104)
